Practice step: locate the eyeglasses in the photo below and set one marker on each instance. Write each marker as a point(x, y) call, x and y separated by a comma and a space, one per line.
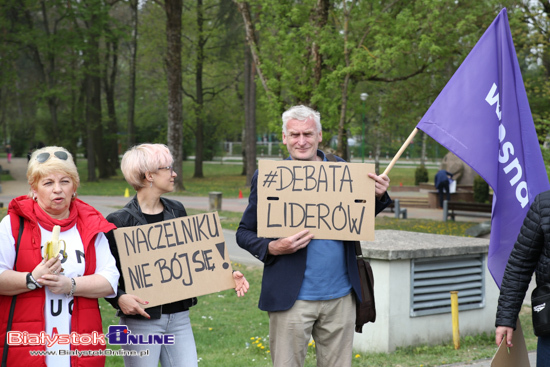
point(168, 167)
point(43, 157)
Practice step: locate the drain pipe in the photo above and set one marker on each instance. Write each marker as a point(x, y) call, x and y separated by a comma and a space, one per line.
point(454, 313)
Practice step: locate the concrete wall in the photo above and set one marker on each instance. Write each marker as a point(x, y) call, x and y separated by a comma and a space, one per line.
point(394, 327)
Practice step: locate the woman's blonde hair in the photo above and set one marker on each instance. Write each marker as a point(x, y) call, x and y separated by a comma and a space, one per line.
point(143, 158)
point(37, 170)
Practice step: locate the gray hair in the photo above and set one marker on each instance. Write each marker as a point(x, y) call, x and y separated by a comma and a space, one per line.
point(301, 113)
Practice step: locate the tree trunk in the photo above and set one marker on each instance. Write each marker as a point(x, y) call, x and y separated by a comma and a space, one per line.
point(244, 9)
point(3, 116)
point(132, 87)
point(174, 9)
point(91, 120)
point(199, 102)
point(377, 151)
point(45, 64)
point(110, 141)
point(423, 152)
point(319, 17)
point(76, 120)
point(342, 149)
point(93, 103)
point(249, 116)
point(52, 105)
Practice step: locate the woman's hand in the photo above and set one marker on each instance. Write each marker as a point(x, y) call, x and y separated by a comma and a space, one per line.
point(241, 284)
point(504, 332)
point(52, 266)
point(56, 283)
point(130, 305)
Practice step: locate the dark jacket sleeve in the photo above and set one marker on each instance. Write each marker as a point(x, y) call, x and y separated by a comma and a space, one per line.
point(247, 233)
point(382, 203)
point(519, 269)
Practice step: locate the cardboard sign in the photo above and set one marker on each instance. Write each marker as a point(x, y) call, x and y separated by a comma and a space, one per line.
point(515, 356)
point(175, 259)
point(334, 200)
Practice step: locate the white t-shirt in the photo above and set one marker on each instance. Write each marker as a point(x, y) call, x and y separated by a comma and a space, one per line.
point(58, 307)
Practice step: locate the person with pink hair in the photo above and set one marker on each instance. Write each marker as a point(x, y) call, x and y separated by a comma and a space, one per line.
point(148, 168)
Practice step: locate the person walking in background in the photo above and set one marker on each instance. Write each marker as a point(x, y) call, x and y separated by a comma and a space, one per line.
point(442, 182)
point(148, 168)
point(55, 296)
point(8, 152)
point(309, 286)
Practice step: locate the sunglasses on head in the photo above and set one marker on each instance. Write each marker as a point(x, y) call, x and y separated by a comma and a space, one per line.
point(43, 157)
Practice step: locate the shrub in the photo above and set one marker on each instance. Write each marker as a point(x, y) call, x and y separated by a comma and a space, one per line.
point(481, 190)
point(420, 175)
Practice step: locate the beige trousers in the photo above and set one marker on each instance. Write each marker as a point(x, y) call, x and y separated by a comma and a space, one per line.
point(331, 323)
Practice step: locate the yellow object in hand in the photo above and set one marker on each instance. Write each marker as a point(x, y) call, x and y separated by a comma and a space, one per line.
point(54, 245)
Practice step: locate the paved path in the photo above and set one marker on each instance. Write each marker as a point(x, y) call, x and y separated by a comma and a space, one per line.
point(108, 204)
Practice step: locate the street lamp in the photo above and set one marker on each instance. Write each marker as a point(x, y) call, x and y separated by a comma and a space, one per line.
point(364, 99)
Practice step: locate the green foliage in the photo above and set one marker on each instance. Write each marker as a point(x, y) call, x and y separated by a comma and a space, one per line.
point(420, 175)
point(481, 190)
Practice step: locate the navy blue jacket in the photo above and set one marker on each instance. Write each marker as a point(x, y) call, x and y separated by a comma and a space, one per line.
point(440, 177)
point(283, 274)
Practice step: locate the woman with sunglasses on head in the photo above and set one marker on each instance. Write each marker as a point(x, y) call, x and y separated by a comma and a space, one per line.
point(148, 168)
point(53, 295)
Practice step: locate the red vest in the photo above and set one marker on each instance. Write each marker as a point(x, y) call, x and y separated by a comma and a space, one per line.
point(29, 308)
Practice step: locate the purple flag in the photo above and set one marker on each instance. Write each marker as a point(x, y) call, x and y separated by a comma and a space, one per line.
point(483, 116)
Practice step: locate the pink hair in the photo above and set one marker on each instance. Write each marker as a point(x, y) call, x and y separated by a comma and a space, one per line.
point(143, 158)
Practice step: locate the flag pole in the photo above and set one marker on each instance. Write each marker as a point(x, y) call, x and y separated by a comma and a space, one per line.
point(401, 150)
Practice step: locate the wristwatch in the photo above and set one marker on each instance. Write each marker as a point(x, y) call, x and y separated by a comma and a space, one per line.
point(32, 284)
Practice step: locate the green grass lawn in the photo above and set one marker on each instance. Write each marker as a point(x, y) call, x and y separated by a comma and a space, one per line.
point(233, 332)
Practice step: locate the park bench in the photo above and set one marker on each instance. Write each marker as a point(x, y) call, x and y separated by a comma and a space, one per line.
point(454, 208)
